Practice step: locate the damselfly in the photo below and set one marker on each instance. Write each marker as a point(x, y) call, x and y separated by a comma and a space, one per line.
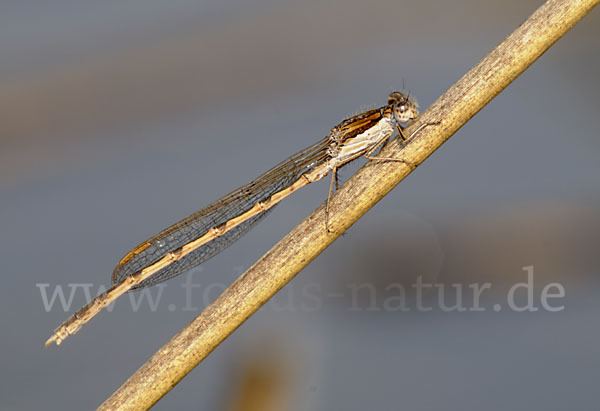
point(209, 231)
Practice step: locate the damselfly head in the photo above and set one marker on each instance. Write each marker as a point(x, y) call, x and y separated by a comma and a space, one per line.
point(404, 107)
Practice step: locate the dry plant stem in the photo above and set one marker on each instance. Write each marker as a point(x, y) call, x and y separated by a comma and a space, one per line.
point(276, 268)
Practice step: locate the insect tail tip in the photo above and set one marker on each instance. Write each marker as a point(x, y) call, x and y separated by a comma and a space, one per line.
point(53, 339)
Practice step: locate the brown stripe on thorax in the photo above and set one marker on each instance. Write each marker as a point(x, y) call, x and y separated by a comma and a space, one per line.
point(354, 125)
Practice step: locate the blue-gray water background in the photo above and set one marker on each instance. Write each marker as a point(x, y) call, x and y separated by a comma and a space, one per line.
point(119, 118)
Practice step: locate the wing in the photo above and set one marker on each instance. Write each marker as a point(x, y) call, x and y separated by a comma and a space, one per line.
point(231, 205)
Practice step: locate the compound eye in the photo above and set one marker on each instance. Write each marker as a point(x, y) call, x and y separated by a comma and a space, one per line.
point(395, 97)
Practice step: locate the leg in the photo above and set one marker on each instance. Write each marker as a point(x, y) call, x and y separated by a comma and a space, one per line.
point(414, 133)
point(422, 126)
point(334, 176)
point(404, 139)
point(399, 160)
point(401, 133)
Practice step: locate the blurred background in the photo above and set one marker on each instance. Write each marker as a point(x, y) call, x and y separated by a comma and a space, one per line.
point(119, 118)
